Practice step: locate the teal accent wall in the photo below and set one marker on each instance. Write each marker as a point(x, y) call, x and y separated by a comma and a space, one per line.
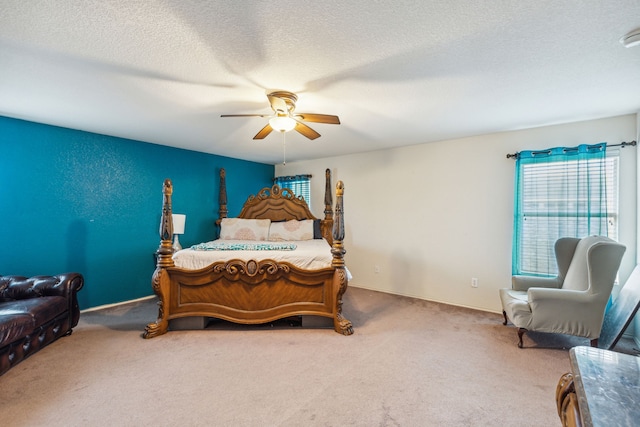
point(78, 201)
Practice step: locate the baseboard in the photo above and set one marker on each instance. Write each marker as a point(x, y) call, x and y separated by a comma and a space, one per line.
point(116, 304)
point(485, 310)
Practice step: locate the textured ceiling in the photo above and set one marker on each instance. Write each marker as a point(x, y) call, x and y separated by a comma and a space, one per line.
point(396, 72)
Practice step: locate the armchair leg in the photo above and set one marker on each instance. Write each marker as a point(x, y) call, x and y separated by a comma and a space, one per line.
point(504, 313)
point(594, 342)
point(521, 332)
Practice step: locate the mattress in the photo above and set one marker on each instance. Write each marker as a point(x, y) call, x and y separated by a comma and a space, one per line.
point(308, 254)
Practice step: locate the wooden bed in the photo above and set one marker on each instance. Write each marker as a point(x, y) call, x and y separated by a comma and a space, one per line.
point(253, 292)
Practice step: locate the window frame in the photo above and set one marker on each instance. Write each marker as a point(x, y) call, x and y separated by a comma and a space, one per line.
point(300, 185)
point(533, 253)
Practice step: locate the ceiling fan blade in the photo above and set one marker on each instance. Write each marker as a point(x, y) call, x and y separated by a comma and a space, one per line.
point(246, 115)
point(318, 118)
point(306, 130)
point(264, 132)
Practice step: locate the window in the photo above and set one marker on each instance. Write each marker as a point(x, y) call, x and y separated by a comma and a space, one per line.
point(299, 184)
point(562, 192)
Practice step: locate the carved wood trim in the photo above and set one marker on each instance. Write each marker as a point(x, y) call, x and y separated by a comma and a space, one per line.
point(567, 402)
point(326, 226)
point(276, 204)
point(328, 201)
point(222, 197)
point(165, 250)
point(341, 324)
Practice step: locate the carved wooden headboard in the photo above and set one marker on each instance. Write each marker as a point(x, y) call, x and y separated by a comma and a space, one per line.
point(276, 204)
point(279, 204)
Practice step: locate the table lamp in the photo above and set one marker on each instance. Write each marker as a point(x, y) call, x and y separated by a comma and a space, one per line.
point(178, 228)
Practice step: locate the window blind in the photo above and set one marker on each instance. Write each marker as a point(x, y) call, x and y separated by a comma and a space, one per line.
point(574, 197)
point(299, 184)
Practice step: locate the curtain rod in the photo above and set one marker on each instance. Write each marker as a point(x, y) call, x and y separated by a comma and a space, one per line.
point(622, 144)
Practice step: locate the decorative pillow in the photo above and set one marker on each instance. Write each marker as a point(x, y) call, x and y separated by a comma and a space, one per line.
point(317, 229)
point(291, 230)
point(244, 229)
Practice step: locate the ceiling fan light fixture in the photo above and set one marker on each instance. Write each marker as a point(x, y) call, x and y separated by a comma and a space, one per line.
point(631, 39)
point(283, 120)
point(282, 123)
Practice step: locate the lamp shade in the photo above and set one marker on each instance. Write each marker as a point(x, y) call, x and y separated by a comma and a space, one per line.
point(178, 223)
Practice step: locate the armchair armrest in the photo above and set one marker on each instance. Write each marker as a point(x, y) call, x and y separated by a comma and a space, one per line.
point(562, 296)
point(566, 311)
point(523, 283)
point(19, 287)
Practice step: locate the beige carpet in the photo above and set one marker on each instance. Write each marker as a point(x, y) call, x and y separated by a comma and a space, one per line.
point(409, 363)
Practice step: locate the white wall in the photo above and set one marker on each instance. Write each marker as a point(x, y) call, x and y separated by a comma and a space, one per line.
point(433, 216)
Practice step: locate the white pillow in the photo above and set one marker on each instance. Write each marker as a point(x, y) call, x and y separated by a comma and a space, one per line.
point(244, 229)
point(291, 230)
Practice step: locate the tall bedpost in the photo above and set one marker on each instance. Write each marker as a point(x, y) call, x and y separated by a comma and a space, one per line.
point(328, 202)
point(164, 259)
point(326, 225)
point(222, 199)
point(165, 250)
point(340, 324)
point(338, 250)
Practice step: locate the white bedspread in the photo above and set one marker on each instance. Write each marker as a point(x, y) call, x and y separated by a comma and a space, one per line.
point(309, 255)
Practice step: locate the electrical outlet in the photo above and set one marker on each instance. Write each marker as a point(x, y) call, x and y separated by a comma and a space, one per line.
point(474, 282)
point(376, 269)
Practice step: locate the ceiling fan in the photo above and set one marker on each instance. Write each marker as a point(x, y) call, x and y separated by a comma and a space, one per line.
point(283, 119)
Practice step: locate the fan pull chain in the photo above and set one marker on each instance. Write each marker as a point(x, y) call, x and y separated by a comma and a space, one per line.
point(284, 151)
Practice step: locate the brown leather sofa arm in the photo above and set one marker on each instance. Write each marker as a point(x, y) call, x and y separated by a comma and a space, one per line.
point(19, 287)
point(34, 312)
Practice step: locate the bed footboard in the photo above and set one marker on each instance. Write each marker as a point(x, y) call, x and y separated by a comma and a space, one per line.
point(251, 292)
